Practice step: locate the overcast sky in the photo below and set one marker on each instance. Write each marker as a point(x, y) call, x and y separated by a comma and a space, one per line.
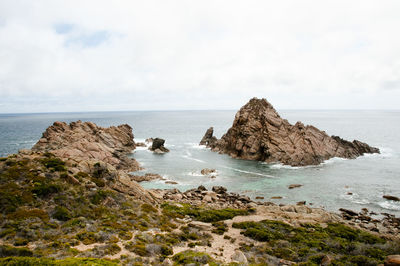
point(170, 55)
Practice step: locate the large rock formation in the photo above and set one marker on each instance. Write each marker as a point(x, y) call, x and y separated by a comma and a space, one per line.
point(259, 133)
point(100, 152)
point(86, 141)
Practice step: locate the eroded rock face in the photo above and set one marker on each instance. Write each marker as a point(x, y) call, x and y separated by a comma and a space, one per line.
point(83, 141)
point(259, 133)
point(100, 152)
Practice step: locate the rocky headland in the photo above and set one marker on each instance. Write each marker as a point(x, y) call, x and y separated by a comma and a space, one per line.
point(259, 133)
point(72, 200)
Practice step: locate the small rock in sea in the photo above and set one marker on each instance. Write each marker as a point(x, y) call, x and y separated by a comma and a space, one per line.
point(140, 144)
point(171, 182)
point(388, 197)
point(349, 193)
point(301, 203)
point(258, 197)
point(158, 146)
point(392, 260)
point(364, 210)
point(292, 186)
point(207, 171)
point(276, 197)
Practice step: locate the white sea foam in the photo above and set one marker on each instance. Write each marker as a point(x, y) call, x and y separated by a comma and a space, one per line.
point(385, 152)
point(282, 166)
point(194, 174)
point(141, 149)
point(248, 172)
point(195, 146)
point(355, 198)
point(389, 205)
point(193, 159)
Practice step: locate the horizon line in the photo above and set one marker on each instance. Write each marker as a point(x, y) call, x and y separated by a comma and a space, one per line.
point(188, 110)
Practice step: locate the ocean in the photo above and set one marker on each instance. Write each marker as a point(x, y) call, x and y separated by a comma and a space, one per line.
point(337, 183)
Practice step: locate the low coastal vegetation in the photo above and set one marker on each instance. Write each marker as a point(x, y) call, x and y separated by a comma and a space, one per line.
point(202, 214)
point(50, 215)
point(310, 244)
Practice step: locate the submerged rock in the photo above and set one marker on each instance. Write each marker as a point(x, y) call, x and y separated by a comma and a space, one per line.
point(292, 186)
point(259, 133)
point(388, 197)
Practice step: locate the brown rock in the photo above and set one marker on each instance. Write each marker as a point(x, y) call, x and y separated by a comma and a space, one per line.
point(101, 152)
point(140, 144)
point(158, 146)
point(292, 186)
point(207, 171)
point(259, 133)
point(171, 182)
point(392, 260)
point(348, 212)
point(85, 141)
point(208, 138)
point(388, 197)
point(259, 197)
point(146, 177)
point(276, 197)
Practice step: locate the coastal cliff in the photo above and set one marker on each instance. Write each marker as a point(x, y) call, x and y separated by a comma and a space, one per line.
point(259, 133)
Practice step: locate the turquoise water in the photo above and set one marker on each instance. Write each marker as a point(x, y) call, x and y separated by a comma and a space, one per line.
point(368, 177)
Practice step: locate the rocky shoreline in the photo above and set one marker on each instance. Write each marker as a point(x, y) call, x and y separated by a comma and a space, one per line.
point(73, 196)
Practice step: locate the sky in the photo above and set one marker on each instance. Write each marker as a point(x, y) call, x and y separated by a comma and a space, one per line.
point(70, 56)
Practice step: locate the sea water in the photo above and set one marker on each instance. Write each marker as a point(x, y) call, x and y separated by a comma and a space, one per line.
point(337, 183)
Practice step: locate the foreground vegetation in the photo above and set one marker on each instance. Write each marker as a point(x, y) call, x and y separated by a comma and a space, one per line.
point(309, 244)
point(78, 219)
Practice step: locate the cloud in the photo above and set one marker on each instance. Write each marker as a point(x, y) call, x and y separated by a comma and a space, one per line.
point(146, 55)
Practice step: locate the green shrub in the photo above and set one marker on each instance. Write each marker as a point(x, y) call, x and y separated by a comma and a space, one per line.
point(45, 189)
point(8, 251)
point(23, 214)
point(61, 213)
point(189, 256)
point(307, 243)
point(27, 261)
point(202, 214)
point(220, 228)
point(53, 163)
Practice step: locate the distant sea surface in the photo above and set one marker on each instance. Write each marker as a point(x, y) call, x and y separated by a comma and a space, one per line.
point(337, 183)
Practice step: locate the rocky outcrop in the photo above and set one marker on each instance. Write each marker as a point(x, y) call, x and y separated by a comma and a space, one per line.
point(147, 177)
point(158, 146)
point(85, 141)
point(99, 152)
point(259, 133)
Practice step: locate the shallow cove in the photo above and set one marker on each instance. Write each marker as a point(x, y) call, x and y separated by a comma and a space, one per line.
point(368, 177)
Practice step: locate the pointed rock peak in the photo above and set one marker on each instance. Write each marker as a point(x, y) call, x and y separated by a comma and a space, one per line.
point(259, 133)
